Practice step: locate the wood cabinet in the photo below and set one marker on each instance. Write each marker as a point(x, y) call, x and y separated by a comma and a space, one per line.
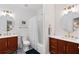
point(53, 45)
point(12, 43)
point(8, 45)
point(71, 48)
point(61, 46)
point(58, 46)
point(3, 45)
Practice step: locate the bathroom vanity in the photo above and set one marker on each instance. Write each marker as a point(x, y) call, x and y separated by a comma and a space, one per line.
point(63, 46)
point(67, 43)
point(8, 44)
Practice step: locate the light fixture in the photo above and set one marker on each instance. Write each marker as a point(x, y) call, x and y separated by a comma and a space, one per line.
point(65, 8)
point(71, 8)
point(7, 12)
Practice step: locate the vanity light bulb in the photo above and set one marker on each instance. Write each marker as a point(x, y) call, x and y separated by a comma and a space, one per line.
point(65, 12)
point(65, 8)
point(12, 15)
point(69, 7)
point(3, 13)
point(72, 6)
point(74, 9)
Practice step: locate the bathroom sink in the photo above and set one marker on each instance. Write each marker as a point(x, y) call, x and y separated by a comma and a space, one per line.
point(75, 40)
point(8, 36)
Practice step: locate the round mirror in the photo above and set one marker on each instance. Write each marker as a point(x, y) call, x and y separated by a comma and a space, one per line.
point(70, 21)
point(6, 24)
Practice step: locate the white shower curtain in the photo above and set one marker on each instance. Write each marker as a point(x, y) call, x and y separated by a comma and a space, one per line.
point(33, 34)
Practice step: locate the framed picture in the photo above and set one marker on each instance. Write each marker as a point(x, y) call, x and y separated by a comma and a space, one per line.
point(23, 24)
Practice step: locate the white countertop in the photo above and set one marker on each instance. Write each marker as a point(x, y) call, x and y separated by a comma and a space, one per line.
point(66, 39)
point(8, 36)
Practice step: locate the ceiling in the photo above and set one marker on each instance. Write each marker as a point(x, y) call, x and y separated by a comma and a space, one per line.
point(22, 10)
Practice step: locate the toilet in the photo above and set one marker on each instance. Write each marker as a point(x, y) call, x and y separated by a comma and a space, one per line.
point(23, 43)
point(26, 45)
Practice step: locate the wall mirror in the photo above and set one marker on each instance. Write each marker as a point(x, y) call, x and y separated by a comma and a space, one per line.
point(76, 23)
point(6, 24)
point(70, 21)
point(10, 23)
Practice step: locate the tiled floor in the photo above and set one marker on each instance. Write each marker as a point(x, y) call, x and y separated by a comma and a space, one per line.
point(20, 51)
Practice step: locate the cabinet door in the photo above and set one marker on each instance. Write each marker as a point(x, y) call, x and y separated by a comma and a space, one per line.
point(61, 47)
point(53, 45)
point(71, 48)
point(3, 45)
point(12, 44)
